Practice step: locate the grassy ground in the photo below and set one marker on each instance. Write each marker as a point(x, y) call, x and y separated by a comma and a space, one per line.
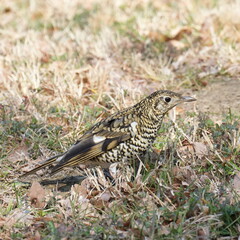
point(66, 64)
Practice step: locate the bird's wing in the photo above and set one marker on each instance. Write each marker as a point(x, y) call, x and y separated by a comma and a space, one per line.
point(90, 147)
point(102, 137)
point(48, 162)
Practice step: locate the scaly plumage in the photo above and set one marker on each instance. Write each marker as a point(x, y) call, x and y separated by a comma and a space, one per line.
point(123, 135)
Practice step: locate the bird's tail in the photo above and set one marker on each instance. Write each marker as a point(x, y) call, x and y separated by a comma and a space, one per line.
point(48, 162)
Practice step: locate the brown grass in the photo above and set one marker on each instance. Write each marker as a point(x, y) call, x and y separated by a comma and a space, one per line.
point(66, 64)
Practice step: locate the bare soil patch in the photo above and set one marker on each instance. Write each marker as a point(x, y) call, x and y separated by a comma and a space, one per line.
point(218, 98)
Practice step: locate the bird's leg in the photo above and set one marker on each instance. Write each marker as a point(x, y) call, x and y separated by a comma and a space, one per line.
point(108, 175)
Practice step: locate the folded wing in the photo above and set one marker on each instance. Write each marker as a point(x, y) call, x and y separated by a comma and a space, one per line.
point(87, 148)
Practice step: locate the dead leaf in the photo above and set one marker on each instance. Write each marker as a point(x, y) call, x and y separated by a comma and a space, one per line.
point(7, 10)
point(37, 195)
point(37, 236)
point(186, 151)
point(205, 210)
point(178, 45)
point(80, 190)
point(45, 219)
point(2, 221)
point(203, 233)
point(200, 149)
point(17, 215)
point(184, 175)
point(19, 153)
point(59, 121)
point(206, 31)
point(63, 229)
point(79, 193)
point(46, 57)
point(177, 34)
point(105, 196)
point(98, 203)
point(180, 32)
point(164, 230)
point(157, 36)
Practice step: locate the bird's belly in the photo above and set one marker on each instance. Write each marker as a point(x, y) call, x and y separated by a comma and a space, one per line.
point(126, 151)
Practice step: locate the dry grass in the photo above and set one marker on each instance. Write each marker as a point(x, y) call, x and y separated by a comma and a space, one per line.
point(66, 64)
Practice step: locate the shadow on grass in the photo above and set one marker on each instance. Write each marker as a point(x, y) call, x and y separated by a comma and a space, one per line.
point(62, 184)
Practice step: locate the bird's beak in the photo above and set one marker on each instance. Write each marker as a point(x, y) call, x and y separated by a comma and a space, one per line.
point(188, 99)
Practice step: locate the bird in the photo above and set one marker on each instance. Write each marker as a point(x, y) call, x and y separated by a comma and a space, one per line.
point(122, 136)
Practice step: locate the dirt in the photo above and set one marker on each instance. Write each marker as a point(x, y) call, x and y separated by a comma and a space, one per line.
point(218, 98)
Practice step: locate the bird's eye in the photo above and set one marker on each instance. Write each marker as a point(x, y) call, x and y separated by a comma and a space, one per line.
point(167, 99)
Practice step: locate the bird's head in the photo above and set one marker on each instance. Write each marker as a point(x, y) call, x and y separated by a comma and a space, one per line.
point(164, 100)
